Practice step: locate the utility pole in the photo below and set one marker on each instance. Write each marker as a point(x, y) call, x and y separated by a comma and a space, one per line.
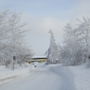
point(13, 62)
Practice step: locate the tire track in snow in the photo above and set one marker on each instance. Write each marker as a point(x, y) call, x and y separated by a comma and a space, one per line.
point(67, 78)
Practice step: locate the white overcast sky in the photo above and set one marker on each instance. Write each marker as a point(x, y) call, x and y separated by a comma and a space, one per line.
point(43, 15)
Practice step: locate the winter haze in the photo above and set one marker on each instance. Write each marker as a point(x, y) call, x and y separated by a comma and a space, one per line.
point(43, 15)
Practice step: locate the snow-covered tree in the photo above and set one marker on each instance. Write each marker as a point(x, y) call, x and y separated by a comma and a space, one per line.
point(72, 51)
point(83, 34)
point(52, 53)
point(11, 38)
point(77, 43)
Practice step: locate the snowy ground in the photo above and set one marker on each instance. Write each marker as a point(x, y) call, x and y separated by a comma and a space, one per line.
point(47, 77)
point(81, 77)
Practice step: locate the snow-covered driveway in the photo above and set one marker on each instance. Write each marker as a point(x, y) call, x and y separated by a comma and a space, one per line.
point(45, 78)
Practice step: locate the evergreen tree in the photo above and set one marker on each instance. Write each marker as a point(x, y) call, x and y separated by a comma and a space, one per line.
point(53, 50)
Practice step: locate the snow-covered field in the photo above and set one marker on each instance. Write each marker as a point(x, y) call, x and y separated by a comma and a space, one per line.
point(46, 77)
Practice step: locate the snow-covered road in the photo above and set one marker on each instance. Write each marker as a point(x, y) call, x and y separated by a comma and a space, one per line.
point(47, 78)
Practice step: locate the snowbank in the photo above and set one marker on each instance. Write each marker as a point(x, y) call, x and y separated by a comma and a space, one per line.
point(8, 74)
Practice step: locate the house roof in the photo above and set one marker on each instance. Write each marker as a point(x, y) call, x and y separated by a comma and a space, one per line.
point(39, 57)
